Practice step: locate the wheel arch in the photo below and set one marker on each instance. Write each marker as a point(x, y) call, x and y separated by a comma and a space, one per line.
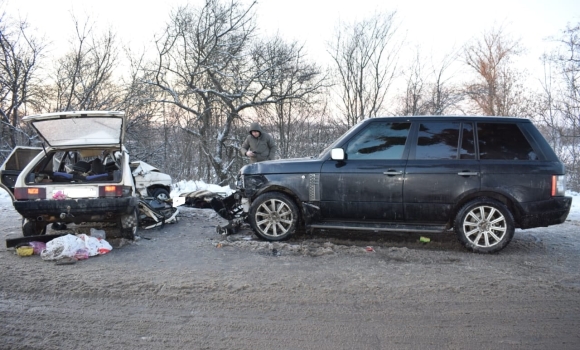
point(285, 190)
point(504, 198)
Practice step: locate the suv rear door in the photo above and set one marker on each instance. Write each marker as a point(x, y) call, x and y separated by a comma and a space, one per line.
point(511, 164)
point(442, 167)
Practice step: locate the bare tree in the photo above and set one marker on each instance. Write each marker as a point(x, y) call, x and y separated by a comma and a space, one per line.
point(429, 87)
point(84, 75)
point(414, 99)
point(444, 95)
point(559, 104)
point(20, 88)
point(365, 59)
point(497, 88)
point(289, 116)
point(212, 68)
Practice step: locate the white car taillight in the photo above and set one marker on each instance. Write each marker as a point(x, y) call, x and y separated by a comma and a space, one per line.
point(114, 191)
point(21, 193)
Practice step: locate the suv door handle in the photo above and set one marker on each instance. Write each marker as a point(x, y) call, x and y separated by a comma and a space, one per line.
point(468, 173)
point(392, 172)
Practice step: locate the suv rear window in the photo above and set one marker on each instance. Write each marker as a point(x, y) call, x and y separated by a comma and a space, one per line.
point(440, 140)
point(503, 141)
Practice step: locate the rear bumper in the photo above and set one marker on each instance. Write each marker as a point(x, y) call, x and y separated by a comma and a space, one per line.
point(545, 213)
point(74, 210)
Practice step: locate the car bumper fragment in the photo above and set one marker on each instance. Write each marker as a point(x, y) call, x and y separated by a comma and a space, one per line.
point(76, 207)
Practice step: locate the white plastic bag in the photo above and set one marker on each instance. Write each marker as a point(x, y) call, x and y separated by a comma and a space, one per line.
point(62, 247)
point(69, 245)
point(100, 234)
point(94, 245)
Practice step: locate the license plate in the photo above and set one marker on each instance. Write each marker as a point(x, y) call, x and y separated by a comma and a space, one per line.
point(80, 192)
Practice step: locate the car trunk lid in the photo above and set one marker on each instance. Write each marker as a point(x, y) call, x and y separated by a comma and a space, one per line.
point(83, 129)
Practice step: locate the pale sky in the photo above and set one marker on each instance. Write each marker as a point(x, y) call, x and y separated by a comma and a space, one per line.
point(435, 26)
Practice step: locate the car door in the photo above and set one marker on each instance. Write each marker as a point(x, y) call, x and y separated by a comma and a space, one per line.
point(510, 164)
point(367, 185)
point(13, 165)
point(442, 167)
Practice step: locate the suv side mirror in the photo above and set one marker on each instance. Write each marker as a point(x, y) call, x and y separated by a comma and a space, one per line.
point(337, 154)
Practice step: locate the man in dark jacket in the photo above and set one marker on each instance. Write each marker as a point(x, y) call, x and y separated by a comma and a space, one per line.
point(259, 145)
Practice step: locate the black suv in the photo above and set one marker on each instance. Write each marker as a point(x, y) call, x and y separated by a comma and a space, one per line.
point(482, 176)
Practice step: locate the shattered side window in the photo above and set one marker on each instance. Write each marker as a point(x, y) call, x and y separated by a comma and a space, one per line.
point(380, 140)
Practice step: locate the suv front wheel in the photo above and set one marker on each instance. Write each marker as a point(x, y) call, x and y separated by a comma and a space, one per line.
point(484, 225)
point(273, 216)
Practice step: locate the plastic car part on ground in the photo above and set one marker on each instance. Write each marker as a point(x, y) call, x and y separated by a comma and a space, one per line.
point(226, 206)
point(153, 213)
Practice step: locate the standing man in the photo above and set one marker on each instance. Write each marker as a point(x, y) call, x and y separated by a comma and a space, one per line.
point(259, 145)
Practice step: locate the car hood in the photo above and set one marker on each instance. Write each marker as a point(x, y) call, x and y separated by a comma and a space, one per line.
point(141, 167)
point(284, 166)
point(85, 128)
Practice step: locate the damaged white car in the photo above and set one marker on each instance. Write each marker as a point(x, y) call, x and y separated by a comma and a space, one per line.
point(82, 174)
point(150, 181)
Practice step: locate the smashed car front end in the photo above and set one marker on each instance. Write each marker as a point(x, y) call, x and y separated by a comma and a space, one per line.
point(292, 176)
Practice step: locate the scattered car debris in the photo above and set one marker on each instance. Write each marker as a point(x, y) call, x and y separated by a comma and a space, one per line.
point(154, 213)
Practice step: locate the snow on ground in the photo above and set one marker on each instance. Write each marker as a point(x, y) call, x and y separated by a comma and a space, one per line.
point(191, 186)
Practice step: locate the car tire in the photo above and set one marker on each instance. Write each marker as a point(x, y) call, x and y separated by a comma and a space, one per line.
point(33, 228)
point(160, 194)
point(128, 225)
point(273, 216)
point(484, 225)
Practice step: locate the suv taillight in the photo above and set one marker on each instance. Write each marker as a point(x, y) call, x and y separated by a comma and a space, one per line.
point(22, 193)
point(114, 191)
point(558, 185)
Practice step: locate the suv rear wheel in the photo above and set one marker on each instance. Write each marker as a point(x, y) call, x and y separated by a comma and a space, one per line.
point(484, 225)
point(273, 216)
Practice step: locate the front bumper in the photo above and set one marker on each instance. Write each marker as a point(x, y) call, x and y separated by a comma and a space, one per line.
point(76, 210)
point(545, 213)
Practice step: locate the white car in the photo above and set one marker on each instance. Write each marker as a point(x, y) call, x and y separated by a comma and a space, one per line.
point(150, 182)
point(82, 174)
